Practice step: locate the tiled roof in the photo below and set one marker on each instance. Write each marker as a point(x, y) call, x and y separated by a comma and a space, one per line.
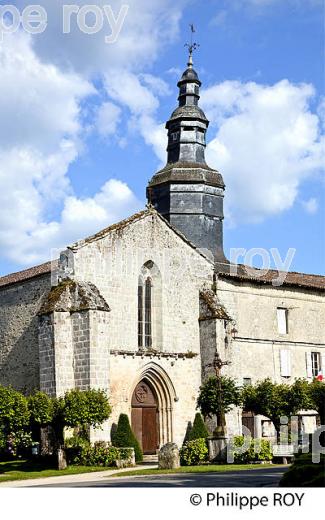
point(245, 273)
point(21, 276)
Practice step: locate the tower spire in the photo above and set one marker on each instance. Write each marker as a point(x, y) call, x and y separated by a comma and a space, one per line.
point(186, 191)
point(192, 46)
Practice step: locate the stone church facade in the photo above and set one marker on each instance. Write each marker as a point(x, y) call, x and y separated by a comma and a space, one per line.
point(141, 308)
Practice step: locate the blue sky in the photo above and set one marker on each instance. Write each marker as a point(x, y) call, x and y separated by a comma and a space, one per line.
point(83, 123)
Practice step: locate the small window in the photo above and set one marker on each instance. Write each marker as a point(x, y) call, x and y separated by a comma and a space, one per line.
point(175, 136)
point(282, 316)
point(315, 363)
point(247, 381)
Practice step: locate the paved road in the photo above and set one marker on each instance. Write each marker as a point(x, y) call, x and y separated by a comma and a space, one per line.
point(268, 477)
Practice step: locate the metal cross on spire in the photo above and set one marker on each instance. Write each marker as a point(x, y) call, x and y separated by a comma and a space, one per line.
point(192, 46)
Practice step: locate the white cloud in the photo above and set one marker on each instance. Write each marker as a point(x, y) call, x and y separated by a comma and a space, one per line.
point(108, 118)
point(126, 88)
point(148, 27)
point(267, 142)
point(139, 95)
point(40, 138)
point(44, 83)
point(157, 85)
point(310, 205)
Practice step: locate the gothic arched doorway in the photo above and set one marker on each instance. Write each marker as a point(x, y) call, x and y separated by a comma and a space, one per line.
point(145, 417)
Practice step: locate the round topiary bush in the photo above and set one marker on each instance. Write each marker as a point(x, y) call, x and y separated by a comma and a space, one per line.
point(125, 438)
point(194, 453)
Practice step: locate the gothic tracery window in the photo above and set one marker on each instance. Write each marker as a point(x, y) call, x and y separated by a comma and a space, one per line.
point(149, 307)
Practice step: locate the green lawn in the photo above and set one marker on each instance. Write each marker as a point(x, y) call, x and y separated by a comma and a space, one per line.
point(26, 469)
point(197, 469)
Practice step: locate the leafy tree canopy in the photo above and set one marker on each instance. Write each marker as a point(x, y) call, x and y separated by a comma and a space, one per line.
point(41, 408)
point(276, 400)
point(14, 413)
point(211, 401)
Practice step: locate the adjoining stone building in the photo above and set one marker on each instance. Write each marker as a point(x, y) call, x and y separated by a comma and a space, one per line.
point(141, 308)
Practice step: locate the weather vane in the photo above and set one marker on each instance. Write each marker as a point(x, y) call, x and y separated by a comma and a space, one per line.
point(192, 46)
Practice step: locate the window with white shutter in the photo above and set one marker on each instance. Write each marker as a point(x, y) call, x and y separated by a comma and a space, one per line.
point(285, 363)
point(315, 363)
point(282, 316)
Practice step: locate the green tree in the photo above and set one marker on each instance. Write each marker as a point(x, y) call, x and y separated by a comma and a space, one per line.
point(198, 430)
point(80, 408)
point(276, 400)
point(125, 438)
point(316, 392)
point(41, 408)
point(217, 397)
point(14, 415)
point(76, 409)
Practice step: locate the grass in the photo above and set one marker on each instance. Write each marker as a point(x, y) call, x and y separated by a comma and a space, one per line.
point(213, 468)
point(27, 469)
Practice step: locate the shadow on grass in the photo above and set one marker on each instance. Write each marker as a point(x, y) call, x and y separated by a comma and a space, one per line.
point(26, 466)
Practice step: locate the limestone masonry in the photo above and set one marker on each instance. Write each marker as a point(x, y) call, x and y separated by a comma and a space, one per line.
point(141, 308)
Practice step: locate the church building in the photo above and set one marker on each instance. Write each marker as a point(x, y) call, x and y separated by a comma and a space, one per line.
point(141, 308)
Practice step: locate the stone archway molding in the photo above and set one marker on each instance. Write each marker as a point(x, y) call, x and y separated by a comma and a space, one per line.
point(161, 383)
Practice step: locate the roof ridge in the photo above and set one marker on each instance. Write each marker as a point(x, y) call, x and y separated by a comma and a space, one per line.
point(26, 274)
point(278, 271)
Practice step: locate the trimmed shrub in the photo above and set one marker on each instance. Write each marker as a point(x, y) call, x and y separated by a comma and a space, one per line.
point(199, 430)
point(305, 473)
point(125, 438)
point(259, 450)
point(194, 453)
point(101, 454)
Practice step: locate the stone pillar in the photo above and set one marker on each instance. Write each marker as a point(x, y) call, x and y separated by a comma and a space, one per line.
point(99, 363)
point(56, 353)
point(217, 450)
point(64, 374)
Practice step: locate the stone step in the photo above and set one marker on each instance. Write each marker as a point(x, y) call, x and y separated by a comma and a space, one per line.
point(150, 459)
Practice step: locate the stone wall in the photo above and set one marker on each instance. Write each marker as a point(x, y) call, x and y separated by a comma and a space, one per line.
point(81, 365)
point(255, 350)
point(19, 349)
point(256, 346)
point(113, 262)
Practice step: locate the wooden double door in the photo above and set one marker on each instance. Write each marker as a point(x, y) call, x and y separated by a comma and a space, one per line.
point(145, 417)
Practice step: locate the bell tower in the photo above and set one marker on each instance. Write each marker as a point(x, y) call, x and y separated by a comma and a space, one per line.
point(187, 192)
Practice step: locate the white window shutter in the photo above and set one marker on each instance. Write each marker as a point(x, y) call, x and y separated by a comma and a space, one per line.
point(322, 366)
point(282, 320)
point(309, 365)
point(285, 363)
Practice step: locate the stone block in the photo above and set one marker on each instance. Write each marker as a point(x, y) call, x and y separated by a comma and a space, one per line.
point(168, 457)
